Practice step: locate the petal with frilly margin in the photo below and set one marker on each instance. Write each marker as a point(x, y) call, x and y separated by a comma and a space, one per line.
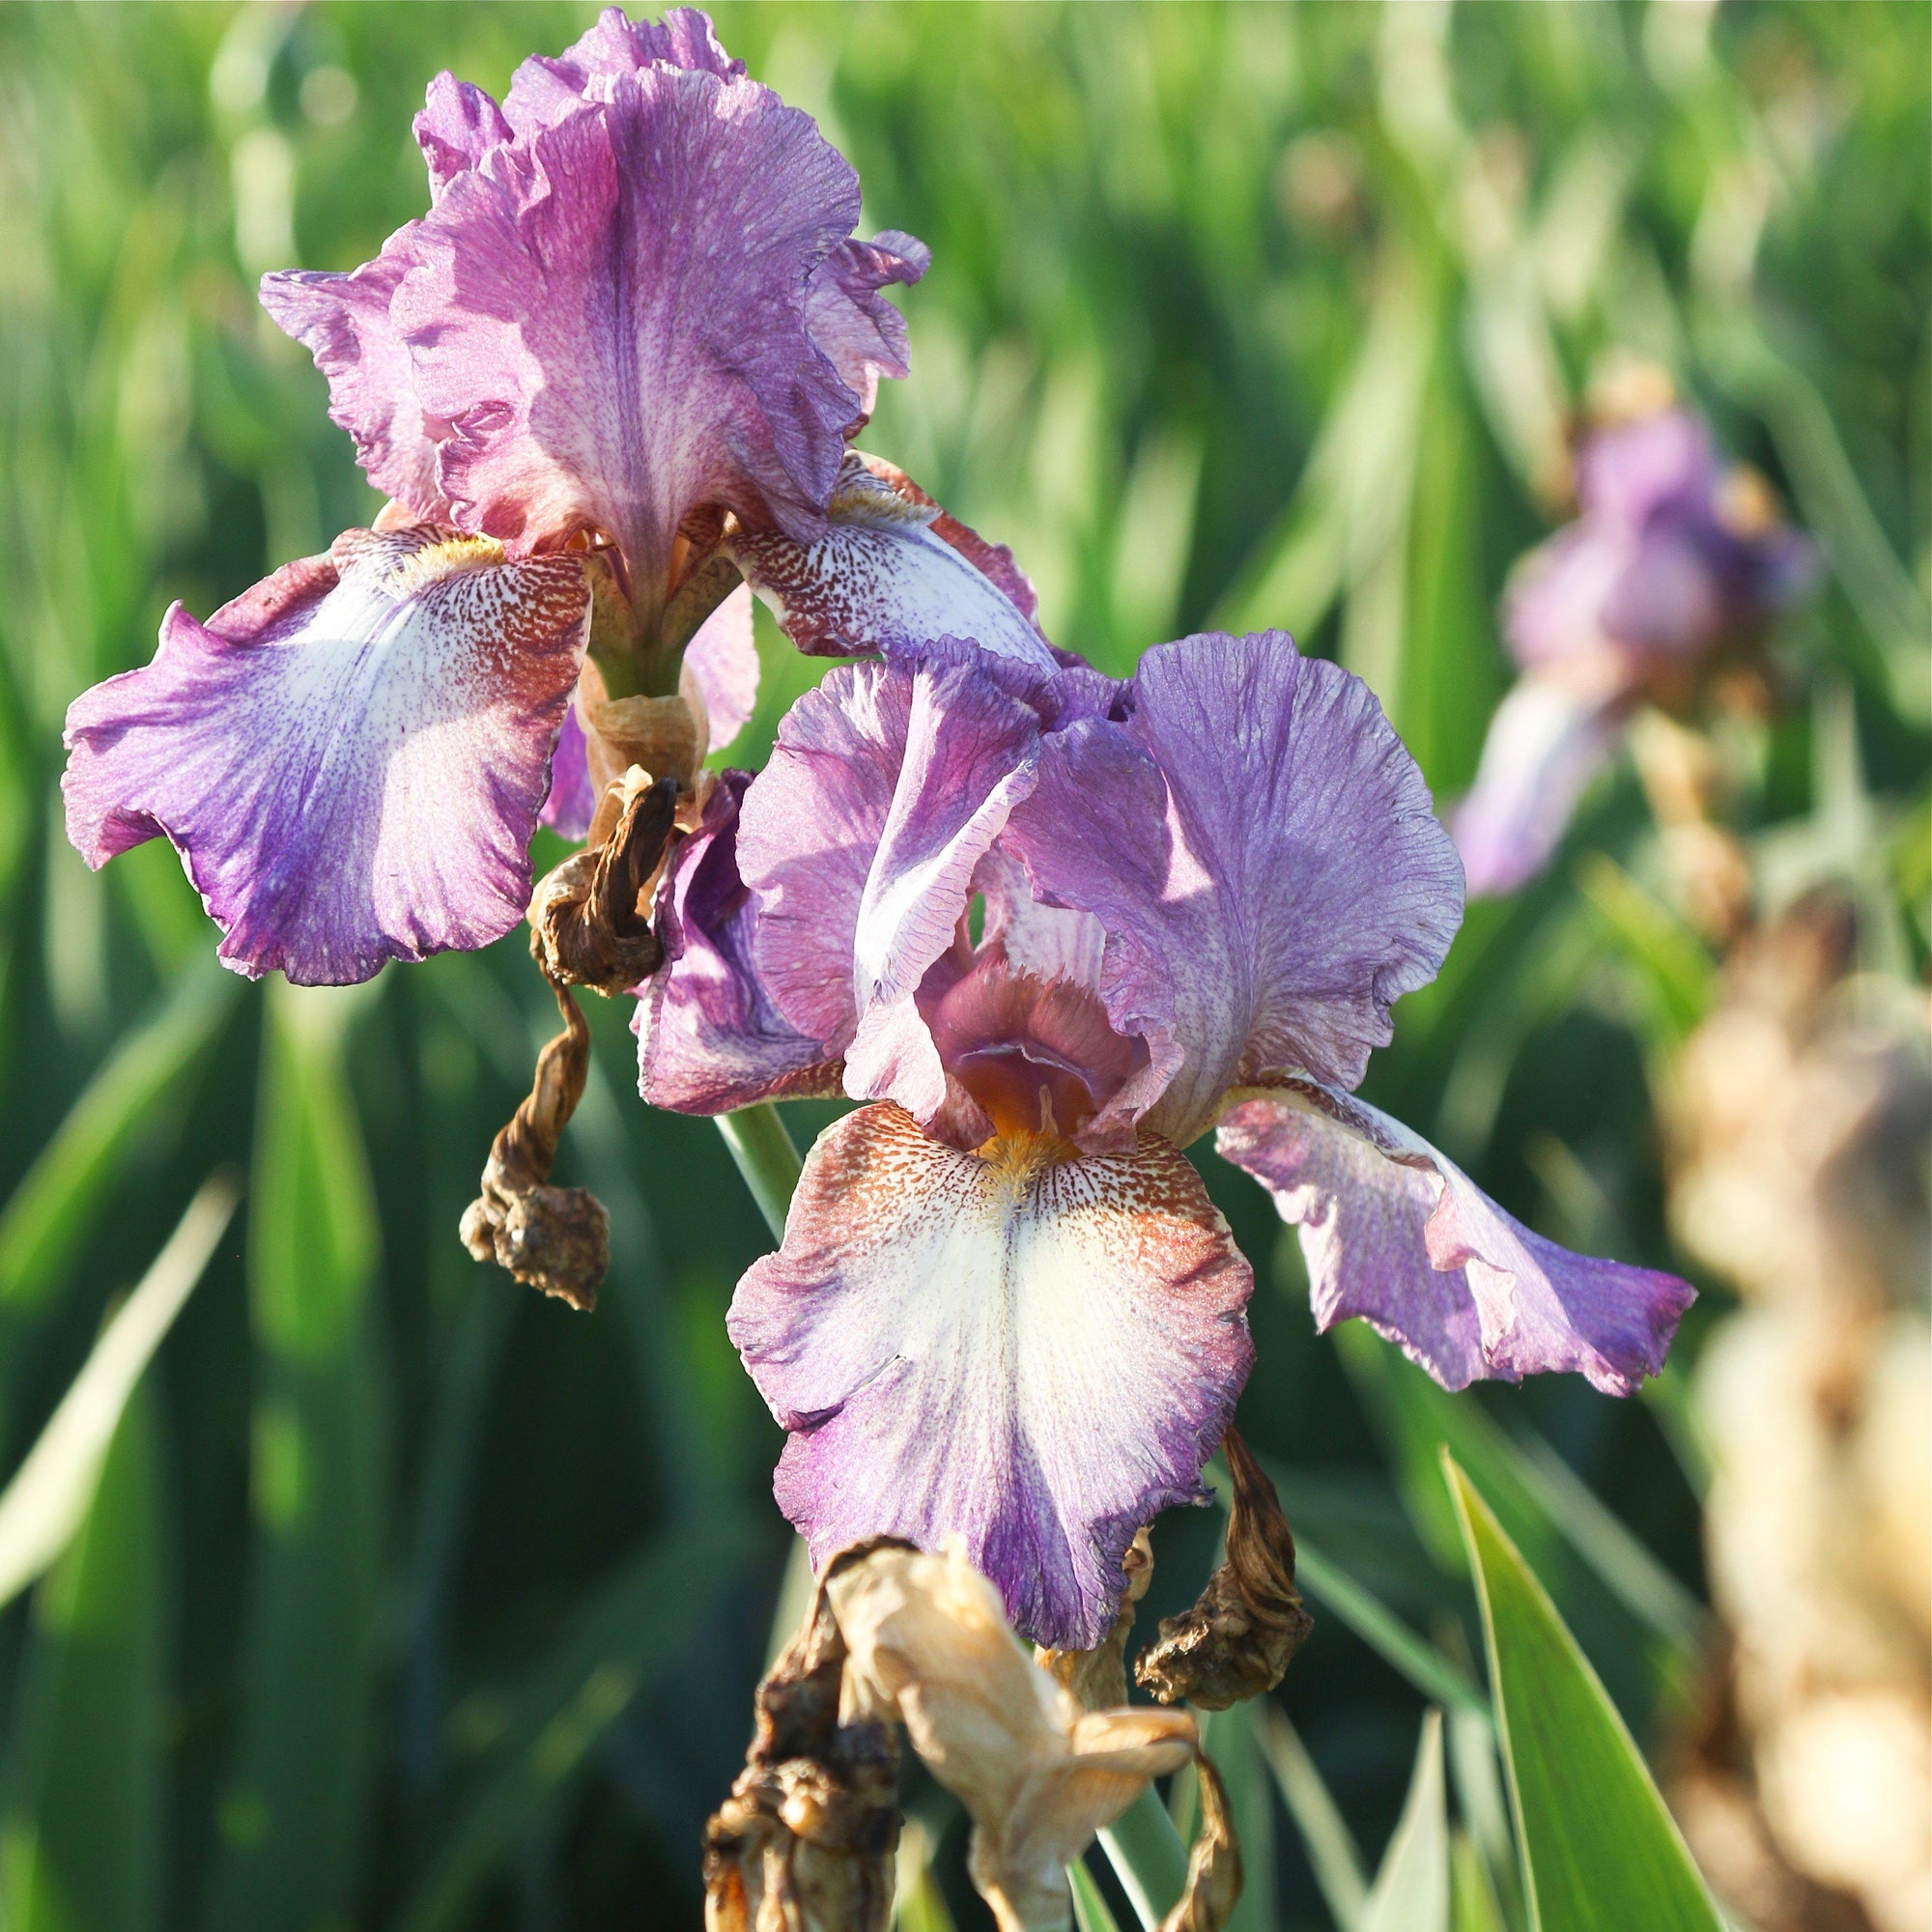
point(1396, 1232)
point(892, 568)
point(1261, 851)
point(343, 321)
point(852, 322)
point(545, 88)
point(709, 1038)
point(885, 788)
point(350, 756)
point(1036, 1358)
point(611, 313)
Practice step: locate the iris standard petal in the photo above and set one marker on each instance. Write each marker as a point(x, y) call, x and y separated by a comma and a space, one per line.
point(722, 664)
point(458, 125)
point(1263, 854)
point(544, 88)
point(1038, 1358)
point(709, 1038)
point(851, 321)
point(891, 569)
point(350, 757)
point(861, 837)
point(343, 321)
point(609, 311)
point(1549, 739)
point(1396, 1232)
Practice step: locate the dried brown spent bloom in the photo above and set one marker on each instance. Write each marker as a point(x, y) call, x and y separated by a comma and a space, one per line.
point(1097, 1678)
point(1237, 1641)
point(929, 1645)
point(804, 1842)
point(590, 918)
point(555, 1239)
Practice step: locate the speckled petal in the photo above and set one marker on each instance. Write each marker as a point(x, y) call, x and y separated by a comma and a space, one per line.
point(885, 788)
point(611, 313)
point(1262, 853)
point(350, 757)
point(708, 1037)
point(1548, 740)
point(891, 570)
point(1396, 1232)
point(458, 125)
point(1038, 1359)
point(343, 321)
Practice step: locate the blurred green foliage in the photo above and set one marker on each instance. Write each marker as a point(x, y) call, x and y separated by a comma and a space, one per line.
point(408, 1600)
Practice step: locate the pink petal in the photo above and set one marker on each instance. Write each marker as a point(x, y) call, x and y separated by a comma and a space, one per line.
point(1039, 1360)
point(723, 662)
point(350, 756)
point(1260, 851)
point(1396, 1232)
point(891, 570)
point(709, 1038)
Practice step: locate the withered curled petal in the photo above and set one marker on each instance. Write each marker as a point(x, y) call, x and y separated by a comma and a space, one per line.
point(1237, 1641)
point(1214, 1864)
point(806, 1840)
point(555, 1239)
point(590, 923)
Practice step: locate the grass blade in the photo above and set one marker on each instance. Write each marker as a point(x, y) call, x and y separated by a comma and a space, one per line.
point(1090, 1911)
point(1325, 1836)
point(82, 1827)
point(1599, 1848)
point(50, 1213)
point(51, 1492)
point(1411, 1890)
point(625, 1636)
point(292, 1818)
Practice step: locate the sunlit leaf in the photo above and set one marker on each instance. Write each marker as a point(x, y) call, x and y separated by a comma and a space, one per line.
point(51, 1212)
point(1411, 1890)
point(50, 1492)
point(1600, 1850)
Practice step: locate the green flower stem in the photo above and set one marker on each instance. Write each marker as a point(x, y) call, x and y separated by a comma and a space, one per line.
point(761, 1145)
point(1149, 1858)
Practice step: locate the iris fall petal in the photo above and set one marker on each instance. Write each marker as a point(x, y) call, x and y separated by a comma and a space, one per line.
point(350, 758)
point(1039, 1357)
point(1394, 1231)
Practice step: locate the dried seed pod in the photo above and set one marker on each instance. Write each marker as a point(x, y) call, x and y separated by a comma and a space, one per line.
point(590, 918)
point(1098, 1678)
point(1237, 1641)
point(806, 1838)
point(555, 1239)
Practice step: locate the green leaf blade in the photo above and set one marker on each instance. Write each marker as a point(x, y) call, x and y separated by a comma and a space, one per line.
point(1601, 1852)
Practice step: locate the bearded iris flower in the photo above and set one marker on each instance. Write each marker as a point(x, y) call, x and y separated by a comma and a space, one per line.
point(1052, 930)
point(616, 366)
point(1672, 566)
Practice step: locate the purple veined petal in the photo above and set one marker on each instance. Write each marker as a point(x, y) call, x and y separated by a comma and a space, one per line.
point(458, 125)
point(891, 570)
point(709, 1038)
point(343, 321)
point(851, 321)
point(1396, 1232)
point(885, 788)
point(721, 664)
point(1039, 1360)
point(571, 800)
point(1548, 740)
point(1262, 852)
point(610, 313)
point(544, 90)
point(350, 757)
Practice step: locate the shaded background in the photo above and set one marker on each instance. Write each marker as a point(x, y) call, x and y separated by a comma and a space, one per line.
point(413, 1600)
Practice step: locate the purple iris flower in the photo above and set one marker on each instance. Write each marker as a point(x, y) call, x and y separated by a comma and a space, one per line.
point(1671, 565)
point(615, 366)
point(1052, 928)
